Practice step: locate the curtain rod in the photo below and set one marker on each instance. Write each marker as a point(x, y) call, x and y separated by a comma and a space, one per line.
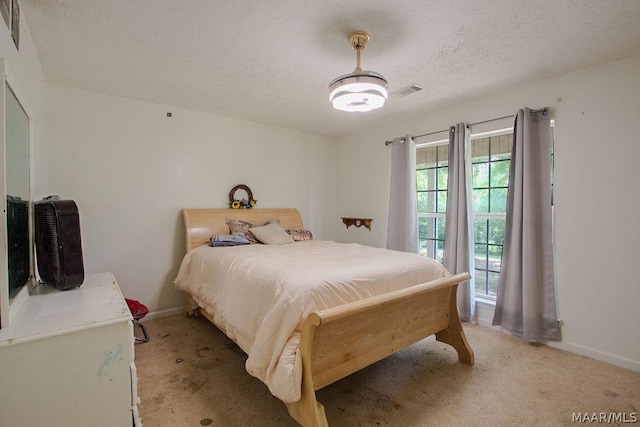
point(545, 110)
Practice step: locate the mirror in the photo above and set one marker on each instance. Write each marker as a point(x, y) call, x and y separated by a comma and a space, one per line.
point(16, 243)
point(17, 192)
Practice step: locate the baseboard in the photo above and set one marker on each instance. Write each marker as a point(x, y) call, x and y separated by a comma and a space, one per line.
point(484, 313)
point(163, 313)
point(484, 317)
point(611, 359)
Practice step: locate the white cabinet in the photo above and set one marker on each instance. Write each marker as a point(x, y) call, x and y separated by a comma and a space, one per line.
point(67, 359)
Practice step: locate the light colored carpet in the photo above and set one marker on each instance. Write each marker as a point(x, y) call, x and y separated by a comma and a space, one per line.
point(190, 374)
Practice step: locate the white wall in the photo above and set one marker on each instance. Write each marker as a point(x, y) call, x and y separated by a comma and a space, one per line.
point(597, 203)
point(27, 77)
point(130, 169)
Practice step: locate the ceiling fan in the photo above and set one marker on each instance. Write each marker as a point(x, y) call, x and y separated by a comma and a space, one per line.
point(363, 90)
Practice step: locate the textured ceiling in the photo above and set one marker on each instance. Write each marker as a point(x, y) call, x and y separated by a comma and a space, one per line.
point(271, 61)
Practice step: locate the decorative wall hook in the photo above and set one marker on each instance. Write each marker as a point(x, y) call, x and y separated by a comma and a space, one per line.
point(358, 222)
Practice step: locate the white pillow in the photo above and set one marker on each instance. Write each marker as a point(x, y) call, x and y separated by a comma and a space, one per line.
point(272, 234)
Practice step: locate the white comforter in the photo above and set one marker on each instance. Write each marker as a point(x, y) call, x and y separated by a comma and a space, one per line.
point(261, 294)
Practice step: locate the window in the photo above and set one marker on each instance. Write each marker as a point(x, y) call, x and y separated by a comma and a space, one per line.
point(431, 174)
point(491, 156)
point(491, 160)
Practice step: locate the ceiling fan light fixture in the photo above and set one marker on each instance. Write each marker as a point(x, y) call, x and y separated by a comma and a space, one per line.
point(363, 91)
point(360, 90)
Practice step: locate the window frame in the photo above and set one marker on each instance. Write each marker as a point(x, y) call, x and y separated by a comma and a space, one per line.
point(434, 245)
point(487, 271)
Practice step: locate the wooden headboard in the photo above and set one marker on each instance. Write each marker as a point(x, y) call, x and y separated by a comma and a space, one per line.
point(201, 224)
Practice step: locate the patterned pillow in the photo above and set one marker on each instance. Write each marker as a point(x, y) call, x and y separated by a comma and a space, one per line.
point(243, 227)
point(299, 235)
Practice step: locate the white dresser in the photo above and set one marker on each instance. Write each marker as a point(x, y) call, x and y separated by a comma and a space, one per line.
point(67, 359)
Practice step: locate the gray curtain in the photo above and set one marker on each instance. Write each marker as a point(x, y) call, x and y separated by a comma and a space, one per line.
point(526, 301)
point(458, 240)
point(402, 225)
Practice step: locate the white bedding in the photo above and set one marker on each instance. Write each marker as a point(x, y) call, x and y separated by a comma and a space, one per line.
point(261, 294)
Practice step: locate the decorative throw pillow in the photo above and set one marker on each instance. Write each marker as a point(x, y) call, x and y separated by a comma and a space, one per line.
point(272, 234)
point(243, 227)
point(299, 235)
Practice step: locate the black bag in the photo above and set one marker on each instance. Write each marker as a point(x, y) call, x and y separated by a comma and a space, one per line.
point(58, 243)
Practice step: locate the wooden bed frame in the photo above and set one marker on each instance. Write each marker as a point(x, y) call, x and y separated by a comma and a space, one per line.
point(339, 341)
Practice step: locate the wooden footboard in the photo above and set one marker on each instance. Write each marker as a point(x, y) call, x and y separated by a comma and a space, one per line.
point(340, 341)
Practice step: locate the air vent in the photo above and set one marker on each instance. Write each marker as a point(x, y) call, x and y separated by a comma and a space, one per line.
point(407, 90)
